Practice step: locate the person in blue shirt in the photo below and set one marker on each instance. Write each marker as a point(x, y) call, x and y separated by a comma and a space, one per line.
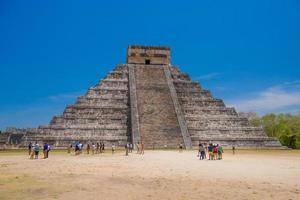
point(45, 150)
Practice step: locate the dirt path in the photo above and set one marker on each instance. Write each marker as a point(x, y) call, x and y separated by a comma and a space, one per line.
point(156, 175)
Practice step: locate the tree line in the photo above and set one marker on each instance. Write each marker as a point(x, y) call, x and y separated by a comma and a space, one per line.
point(285, 127)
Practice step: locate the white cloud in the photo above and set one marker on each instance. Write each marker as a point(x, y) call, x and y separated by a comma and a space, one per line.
point(207, 76)
point(64, 97)
point(279, 98)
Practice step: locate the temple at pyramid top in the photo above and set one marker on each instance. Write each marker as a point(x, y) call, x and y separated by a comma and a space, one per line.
point(148, 55)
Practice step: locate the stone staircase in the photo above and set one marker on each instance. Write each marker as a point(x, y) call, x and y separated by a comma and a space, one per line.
point(158, 123)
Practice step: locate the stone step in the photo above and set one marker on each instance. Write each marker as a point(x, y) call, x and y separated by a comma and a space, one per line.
point(121, 67)
point(109, 80)
point(241, 128)
point(117, 75)
point(217, 123)
point(107, 88)
point(186, 84)
point(115, 92)
point(74, 137)
point(103, 98)
point(86, 127)
point(180, 77)
point(196, 117)
point(81, 121)
point(116, 107)
point(97, 112)
point(203, 103)
point(184, 99)
point(103, 104)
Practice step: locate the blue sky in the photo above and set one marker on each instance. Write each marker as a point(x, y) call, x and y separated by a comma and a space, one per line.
point(245, 52)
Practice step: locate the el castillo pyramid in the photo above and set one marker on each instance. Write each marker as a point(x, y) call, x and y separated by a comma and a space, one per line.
point(147, 99)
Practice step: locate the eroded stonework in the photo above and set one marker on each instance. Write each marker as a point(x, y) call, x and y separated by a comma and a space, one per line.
point(146, 100)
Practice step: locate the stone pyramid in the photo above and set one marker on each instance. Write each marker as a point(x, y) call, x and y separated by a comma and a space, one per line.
point(147, 99)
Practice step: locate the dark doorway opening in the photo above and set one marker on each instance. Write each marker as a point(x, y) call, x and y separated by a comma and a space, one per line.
point(147, 61)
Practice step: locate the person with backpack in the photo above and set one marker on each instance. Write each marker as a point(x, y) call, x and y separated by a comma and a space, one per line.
point(36, 150)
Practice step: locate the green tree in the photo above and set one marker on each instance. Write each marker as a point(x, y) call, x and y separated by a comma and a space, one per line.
point(285, 127)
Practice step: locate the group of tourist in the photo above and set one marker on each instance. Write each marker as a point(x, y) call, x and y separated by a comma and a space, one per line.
point(140, 148)
point(212, 151)
point(95, 148)
point(78, 148)
point(34, 150)
point(99, 147)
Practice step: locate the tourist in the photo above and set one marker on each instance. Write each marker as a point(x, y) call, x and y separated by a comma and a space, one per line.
point(206, 149)
point(180, 147)
point(220, 152)
point(32, 152)
point(130, 147)
point(48, 150)
point(215, 152)
point(77, 149)
point(113, 148)
point(36, 150)
point(201, 152)
point(137, 147)
point(142, 148)
point(126, 149)
point(98, 148)
point(210, 151)
point(29, 148)
point(45, 149)
point(198, 155)
point(103, 147)
point(93, 148)
point(88, 148)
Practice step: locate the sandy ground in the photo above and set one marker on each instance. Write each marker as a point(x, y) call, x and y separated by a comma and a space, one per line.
point(155, 175)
